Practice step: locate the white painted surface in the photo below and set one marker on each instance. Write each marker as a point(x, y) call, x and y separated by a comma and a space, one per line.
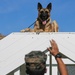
point(54, 70)
point(17, 72)
point(14, 47)
point(65, 60)
point(47, 72)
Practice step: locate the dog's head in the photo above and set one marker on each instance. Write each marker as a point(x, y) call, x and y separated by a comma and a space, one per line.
point(44, 13)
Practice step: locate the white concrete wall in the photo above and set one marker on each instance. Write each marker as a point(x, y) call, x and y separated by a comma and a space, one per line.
point(14, 47)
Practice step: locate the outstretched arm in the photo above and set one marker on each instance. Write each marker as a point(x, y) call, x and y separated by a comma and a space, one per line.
point(54, 52)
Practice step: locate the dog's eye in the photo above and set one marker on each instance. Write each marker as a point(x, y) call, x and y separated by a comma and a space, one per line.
point(46, 11)
point(41, 12)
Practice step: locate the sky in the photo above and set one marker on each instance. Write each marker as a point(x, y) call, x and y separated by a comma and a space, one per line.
point(16, 15)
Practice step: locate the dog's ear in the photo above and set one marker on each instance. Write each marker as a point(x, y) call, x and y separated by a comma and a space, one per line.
point(49, 6)
point(39, 6)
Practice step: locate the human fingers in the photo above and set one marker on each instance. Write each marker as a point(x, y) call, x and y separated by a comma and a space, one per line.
point(51, 42)
point(54, 43)
point(49, 49)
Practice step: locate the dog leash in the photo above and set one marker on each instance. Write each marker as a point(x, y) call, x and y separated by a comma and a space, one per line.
point(31, 24)
point(45, 51)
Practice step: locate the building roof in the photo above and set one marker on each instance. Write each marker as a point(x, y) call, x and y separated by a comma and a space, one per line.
point(14, 47)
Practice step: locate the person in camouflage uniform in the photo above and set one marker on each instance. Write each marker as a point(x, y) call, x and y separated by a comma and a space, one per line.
point(36, 61)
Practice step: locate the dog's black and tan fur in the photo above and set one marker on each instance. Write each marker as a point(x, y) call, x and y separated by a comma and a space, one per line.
point(43, 22)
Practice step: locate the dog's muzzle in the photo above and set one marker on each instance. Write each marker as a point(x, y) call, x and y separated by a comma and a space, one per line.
point(44, 16)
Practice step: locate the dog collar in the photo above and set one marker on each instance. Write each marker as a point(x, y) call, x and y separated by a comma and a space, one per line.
point(49, 19)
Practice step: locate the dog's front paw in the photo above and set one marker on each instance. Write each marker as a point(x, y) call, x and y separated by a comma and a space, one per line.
point(22, 30)
point(26, 30)
point(39, 30)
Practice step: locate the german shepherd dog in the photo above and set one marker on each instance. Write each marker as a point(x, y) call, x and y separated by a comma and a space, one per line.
point(43, 22)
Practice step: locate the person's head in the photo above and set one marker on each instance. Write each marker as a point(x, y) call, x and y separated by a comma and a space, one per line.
point(36, 63)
